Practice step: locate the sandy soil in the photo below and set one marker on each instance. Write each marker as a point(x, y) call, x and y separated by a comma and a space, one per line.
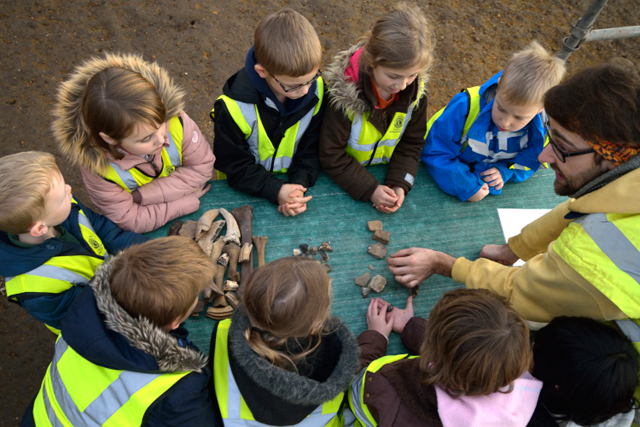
point(202, 44)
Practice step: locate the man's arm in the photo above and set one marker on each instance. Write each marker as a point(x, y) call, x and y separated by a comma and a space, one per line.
point(414, 265)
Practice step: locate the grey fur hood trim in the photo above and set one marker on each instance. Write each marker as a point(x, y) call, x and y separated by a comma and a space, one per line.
point(345, 94)
point(289, 386)
point(140, 332)
point(68, 129)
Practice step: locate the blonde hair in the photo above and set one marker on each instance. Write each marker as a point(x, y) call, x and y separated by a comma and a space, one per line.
point(475, 343)
point(401, 39)
point(25, 180)
point(161, 278)
point(287, 298)
point(285, 43)
point(529, 74)
point(115, 100)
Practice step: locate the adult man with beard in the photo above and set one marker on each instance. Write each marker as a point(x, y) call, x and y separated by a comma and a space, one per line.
point(583, 257)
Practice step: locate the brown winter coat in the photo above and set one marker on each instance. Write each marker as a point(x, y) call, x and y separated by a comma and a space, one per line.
point(346, 95)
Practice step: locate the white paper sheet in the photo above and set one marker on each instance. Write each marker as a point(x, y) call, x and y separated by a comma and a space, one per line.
point(514, 220)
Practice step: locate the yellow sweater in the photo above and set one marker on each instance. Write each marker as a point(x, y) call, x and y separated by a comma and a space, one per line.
point(546, 286)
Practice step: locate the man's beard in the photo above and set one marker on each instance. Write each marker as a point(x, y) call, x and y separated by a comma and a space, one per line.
point(573, 184)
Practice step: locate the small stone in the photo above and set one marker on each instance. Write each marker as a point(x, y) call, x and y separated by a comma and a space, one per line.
point(363, 280)
point(414, 291)
point(371, 268)
point(325, 247)
point(323, 256)
point(378, 250)
point(374, 225)
point(390, 307)
point(314, 250)
point(327, 268)
point(378, 283)
point(304, 248)
point(296, 252)
point(365, 291)
point(381, 236)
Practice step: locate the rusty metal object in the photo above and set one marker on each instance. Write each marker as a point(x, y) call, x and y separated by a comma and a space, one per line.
point(378, 283)
point(219, 313)
point(374, 225)
point(381, 236)
point(234, 252)
point(363, 280)
point(259, 242)
point(378, 250)
point(174, 229)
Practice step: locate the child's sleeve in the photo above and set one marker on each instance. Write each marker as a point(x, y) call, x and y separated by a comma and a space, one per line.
point(442, 148)
point(50, 309)
point(373, 345)
point(196, 169)
point(413, 334)
point(345, 170)
point(305, 166)
point(118, 205)
point(234, 159)
point(403, 165)
point(114, 238)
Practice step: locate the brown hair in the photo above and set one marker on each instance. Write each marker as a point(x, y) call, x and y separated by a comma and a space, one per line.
point(115, 100)
point(401, 39)
point(161, 278)
point(474, 344)
point(287, 298)
point(25, 180)
point(285, 43)
point(601, 102)
point(529, 74)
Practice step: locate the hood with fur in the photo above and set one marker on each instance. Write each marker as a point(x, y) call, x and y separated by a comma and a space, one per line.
point(345, 93)
point(101, 331)
point(68, 129)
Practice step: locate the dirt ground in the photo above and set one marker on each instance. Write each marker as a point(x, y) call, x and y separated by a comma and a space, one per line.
point(202, 44)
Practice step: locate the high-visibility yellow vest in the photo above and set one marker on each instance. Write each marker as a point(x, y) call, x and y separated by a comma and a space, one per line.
point(368, 145)
point(61, 272)
point(233, 407)
point(247, 118)
point(133, 178)
point(357, 394)
point(76, 392)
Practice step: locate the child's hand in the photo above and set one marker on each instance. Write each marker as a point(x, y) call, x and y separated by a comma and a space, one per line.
point(401, 317)
point(481, 194)
point(202, 191)
point(292, 209)
point(399, 191)
point(384, 196)
point(493, 178)
point(292, 193)
point(377, 318)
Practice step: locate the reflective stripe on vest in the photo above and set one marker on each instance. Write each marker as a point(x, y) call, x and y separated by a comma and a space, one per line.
point(61, 272)
point(75, 392)
point(367, 145)
point(356, 389)
point(234, 409)
point(246, 117)
point(133, 178)
point(603, 248)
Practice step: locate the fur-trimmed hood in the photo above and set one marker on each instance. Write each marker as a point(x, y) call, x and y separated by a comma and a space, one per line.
point(290, 386)
point(68, 129)
point(346, 94)
point(101, 331)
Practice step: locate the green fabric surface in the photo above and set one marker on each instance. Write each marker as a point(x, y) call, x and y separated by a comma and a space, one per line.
point(428, 218)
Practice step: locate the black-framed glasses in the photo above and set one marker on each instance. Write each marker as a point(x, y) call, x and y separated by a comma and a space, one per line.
point(561, 155)
point(296, 87)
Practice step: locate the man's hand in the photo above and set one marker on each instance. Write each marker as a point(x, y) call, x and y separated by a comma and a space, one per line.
point(291, 200)
point(481, 194)
point(401, 317)
point(412, 266)
point(384, 197)
point(377, 318)
point(499, 253)
point(493, 178)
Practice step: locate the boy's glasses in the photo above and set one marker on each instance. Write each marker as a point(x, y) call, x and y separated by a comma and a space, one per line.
point(561, 155)
point(294, 88)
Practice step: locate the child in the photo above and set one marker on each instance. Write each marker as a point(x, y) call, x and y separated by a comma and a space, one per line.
point(589, 371)
point(474, 353)
point(282, 358)
point(268, 119)
point(492, 134)
point(50, 243)
point(123, 357)
point(378, 108)
point(143, 160)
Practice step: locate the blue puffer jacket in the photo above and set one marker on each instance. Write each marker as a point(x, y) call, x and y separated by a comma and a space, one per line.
point(51, 308)
point(457, 171)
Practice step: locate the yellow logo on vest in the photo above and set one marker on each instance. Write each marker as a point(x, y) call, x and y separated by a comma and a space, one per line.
point(96, 245)
point(168, 170)
point(397, 124)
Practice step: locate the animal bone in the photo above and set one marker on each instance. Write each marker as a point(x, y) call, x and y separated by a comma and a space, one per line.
point(245, 254)
point(325, 247)
point(378, 283)
point(220, 301)
point(230, 285)
point(206, 240)
point(204, 223)
point(234, 252)
point(219, 313)
point(188, 229)
point(232, 298)
point(174, 229)
point(363, 280)
point(216, 249)
point(224, 259)
point(323, 256)
point(233, 232)
point(211, 290)
point(244, 217)
point(378, 250)
point(381, 236)
point(260, 242)
point(374, 225)
point(219, 276)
